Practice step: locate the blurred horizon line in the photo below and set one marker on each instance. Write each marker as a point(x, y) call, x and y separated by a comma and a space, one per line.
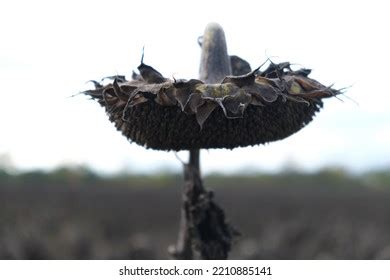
point(287, 168)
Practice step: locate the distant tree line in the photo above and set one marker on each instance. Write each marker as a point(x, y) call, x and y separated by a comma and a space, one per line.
point(77, 176)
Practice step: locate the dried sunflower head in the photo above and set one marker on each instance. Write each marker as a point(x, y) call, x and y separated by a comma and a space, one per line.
point(254, 108)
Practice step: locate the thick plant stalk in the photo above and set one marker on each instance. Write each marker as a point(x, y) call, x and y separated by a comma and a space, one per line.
point(204, 233)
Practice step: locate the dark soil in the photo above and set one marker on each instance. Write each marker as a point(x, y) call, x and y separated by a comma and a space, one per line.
point(110, 219)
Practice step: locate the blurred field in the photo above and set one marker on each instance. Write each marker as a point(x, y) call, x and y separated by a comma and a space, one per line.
point(75, 214)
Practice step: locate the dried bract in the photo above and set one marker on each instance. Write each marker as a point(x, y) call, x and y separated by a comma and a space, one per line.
point(255, 108)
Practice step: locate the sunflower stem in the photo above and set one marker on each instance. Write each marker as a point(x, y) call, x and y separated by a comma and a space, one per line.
point(203, 232)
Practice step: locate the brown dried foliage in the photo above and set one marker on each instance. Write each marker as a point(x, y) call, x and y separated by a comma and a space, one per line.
point(254, 108)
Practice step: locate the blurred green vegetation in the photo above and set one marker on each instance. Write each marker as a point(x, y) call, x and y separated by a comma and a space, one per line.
point(76, 176)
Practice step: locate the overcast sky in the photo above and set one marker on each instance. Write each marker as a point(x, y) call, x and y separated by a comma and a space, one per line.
point(49, 49)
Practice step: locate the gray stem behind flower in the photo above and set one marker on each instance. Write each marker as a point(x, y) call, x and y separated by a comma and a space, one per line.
point(204, 233)
point(215, 62)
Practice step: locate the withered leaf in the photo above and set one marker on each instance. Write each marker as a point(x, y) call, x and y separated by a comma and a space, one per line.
point(256, 107)
point(240, 81)
point(235, 103)
point(96, 84)
point(119, 91)
point(137, 99)
point(302, 72)
point(263, 91)
point(183, 89)
point(276, 70)
point(204, 111)
point(150, 75)
point(239, 66)
point(194, 102)
point(119, 78)
point(233, 95)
